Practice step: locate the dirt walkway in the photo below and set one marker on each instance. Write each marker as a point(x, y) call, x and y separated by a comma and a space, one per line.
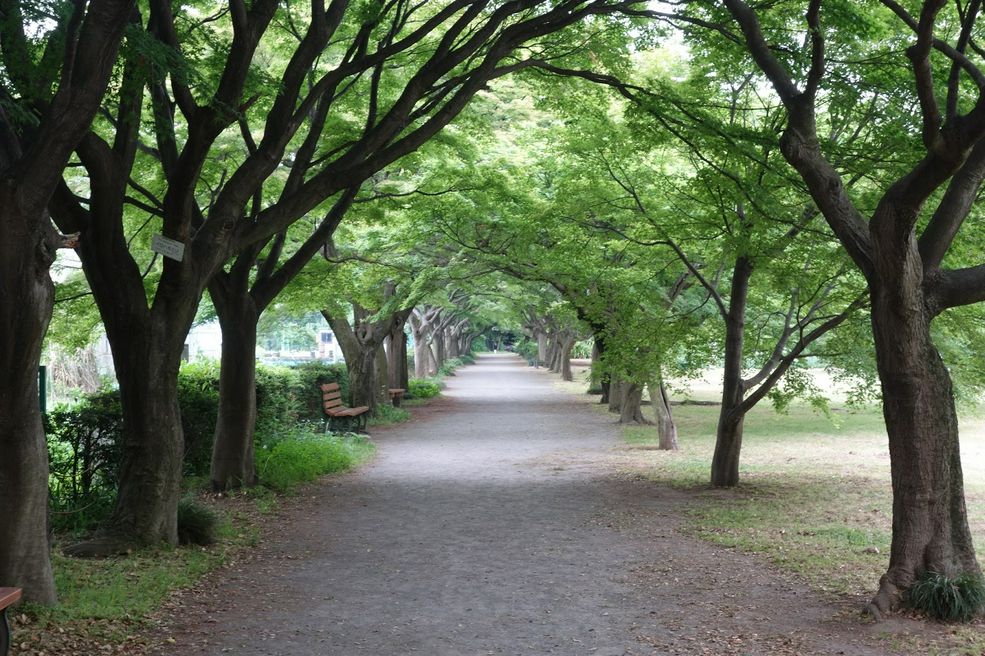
point(494, 526)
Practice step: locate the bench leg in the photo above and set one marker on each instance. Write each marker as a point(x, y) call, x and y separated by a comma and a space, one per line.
point(4, 633)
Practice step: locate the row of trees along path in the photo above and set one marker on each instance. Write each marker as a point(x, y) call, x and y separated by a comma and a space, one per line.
point(495, 524)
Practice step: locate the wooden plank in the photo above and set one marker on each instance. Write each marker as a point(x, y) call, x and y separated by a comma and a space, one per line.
point(9, 596)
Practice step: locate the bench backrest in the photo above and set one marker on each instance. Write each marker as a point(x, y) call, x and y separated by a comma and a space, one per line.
point(331, 396)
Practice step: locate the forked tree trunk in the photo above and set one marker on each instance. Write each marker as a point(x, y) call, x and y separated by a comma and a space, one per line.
point(25, 310)
point(233, 460)
point(666, 428)
point(930, 522)
point(631, 409)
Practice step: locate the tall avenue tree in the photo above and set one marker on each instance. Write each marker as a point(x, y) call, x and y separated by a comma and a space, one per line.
point(908, 243)
point(53, 80)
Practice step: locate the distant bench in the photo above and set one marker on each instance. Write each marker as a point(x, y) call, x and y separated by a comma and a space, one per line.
point(337, 413)
point(396, 393)
point(8, 596)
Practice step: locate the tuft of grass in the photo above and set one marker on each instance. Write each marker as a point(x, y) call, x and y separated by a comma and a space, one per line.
point(305, 455)
point(957, 599)
point(197, 523)
point(386, 414)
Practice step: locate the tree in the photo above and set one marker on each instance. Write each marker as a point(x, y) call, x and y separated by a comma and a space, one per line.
point(907, 248)
point(412, 67)
point(51, 88)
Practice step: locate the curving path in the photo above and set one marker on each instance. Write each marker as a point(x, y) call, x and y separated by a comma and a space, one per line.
point(495, 524)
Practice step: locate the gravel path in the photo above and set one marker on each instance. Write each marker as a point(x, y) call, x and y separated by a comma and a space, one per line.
point(495, 524)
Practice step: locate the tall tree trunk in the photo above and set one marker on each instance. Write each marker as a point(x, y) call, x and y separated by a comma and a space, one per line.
point(541, 349)
point(146, 508)
point(422, 357)
point(360, 363)
point(25, 310)
point(666, 428)
point(631, 409)
point(930, 523)
point(396, 352)
point(616, 390)
point(381, 377)
point(728, 437)
point(233, 461)
point(567, 344)
point(438, 346)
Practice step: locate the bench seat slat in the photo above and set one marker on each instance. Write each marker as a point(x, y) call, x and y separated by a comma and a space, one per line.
point(9, 596)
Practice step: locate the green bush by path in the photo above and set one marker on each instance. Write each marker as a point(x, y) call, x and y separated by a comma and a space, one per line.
point(422, 388)
point(306, 455)
point(958, 599)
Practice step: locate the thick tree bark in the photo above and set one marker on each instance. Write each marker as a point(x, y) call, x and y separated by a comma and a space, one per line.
point(541, 349)
point(25, 310)
point(233, 461)
point(422, 357)
point(666, 428)
point(728, 437)
point(930, 523)
point(396, 351)
point(153, 441)
point(381, 377)
point(567, 344)
point(630, 409)
point(617, 389)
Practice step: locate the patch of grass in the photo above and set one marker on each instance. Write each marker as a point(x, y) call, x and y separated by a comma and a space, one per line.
point(957, 599)
point(307, 455)
point(387, 415)
point(126, 586)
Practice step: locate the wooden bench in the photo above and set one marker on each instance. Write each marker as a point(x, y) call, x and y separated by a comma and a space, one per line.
point(8, 596)
point(337, 413)
point(396, 394)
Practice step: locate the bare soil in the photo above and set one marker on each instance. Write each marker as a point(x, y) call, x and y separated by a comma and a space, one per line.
point(497, 522)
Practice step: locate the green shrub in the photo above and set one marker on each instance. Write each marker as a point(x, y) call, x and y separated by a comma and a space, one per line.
point(422, 388)
point(468, 358)
point(527, 349)
point(279, 405)
point(449, 367)
point(198, 397)
point(84, 454)
point(306, 455)
point(957, 599)
point(197, 524)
